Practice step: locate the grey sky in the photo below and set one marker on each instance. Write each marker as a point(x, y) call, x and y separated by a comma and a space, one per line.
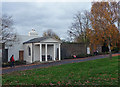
point(43, 15)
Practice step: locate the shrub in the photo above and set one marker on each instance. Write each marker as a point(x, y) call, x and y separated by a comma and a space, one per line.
point(16, 63)
point(70, 57)
point(6, 64)
point(20, 62)
point(88, 55)
point(81, 55)
point(115, 50)
point(101, 53)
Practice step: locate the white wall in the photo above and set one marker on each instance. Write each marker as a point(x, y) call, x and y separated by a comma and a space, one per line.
point(18, 45)
point(26, 53)
point(50, 50)
point(43, 49)
point(57, 46)
point(37, 53)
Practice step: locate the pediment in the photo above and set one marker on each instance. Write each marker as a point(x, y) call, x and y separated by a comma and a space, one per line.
point(51, 40)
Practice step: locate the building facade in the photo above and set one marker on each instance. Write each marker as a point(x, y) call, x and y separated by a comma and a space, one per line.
point(31, 48)
point(42, 49)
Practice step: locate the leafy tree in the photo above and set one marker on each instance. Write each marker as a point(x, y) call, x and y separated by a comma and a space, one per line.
point(50, 33)
point(103, 18)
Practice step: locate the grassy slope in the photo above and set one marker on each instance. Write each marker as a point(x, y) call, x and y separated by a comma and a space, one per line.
point(95, 72)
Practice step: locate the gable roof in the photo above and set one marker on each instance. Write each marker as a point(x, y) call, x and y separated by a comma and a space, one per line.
point(36, 40)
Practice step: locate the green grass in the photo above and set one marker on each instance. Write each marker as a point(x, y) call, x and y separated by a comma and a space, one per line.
point(95, 72)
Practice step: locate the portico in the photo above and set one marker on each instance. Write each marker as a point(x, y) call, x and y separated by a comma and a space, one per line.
point(44, 49)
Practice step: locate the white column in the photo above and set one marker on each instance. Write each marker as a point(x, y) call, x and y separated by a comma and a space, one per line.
point(54, 52)
point(40, 52)
point(59, 53)
point(45, 52)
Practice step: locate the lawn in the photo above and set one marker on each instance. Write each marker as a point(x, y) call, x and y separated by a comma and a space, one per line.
point(95, 72)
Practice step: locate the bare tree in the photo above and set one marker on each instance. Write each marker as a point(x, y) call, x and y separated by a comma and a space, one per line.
point(50, 33)
point(6, 30)
point(78, 28)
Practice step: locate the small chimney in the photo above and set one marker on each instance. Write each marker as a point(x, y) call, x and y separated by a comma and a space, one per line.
point(33, 33)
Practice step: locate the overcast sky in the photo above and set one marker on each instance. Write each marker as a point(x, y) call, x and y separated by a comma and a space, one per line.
point(41, 16)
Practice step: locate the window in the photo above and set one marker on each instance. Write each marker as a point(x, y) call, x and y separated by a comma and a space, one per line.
point(29, 51)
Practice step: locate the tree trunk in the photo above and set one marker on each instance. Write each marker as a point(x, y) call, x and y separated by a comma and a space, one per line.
point(110, 53)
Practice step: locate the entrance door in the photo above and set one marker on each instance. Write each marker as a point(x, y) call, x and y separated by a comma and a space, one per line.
point(21, 55)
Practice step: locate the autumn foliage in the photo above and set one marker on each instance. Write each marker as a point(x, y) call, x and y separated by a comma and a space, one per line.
point(104, 30)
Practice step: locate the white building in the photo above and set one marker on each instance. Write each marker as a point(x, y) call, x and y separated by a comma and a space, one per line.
point(33, 48)
point(0, 50)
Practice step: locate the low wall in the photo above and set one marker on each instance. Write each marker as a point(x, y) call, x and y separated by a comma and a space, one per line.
point(70, 49)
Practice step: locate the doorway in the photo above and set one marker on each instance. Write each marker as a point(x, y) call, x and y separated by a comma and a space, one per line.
point(21, 55)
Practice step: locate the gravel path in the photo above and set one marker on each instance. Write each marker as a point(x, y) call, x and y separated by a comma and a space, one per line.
point(42, 65)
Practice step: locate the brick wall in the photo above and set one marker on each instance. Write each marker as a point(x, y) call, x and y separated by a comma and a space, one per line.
point(70, 49)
